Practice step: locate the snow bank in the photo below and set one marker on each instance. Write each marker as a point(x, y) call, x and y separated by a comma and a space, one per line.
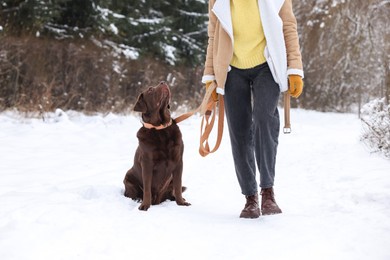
point(61, 194)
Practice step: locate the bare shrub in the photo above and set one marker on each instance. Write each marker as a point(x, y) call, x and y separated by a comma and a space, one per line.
point(44, 74)
point(344, 48)
point(376, 119)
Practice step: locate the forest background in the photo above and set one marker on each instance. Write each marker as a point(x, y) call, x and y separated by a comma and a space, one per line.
point(96, 55)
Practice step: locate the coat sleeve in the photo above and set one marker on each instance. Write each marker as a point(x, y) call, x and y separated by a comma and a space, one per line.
point(294, 58)
point(208, 73)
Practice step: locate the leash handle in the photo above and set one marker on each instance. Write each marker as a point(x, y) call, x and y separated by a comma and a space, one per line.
point(203, 106)
point(204, 147)
point(287, 124)
point(208, 108)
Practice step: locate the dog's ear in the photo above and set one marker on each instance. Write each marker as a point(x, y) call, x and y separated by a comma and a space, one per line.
point(140, 106)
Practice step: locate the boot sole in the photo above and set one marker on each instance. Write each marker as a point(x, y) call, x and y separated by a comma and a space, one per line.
point(250, 215)
point(270, 213)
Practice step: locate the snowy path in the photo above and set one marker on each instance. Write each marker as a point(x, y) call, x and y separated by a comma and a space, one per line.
point(61, 185)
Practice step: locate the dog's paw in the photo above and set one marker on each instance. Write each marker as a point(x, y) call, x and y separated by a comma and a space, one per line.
point(183, 203)
point(144, 207)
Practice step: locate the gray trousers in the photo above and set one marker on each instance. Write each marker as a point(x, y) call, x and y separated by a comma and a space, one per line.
point(251, 99)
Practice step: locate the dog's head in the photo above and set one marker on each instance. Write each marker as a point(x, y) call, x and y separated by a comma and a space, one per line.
point(153, 103)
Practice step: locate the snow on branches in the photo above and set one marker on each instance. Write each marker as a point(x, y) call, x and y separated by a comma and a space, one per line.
point(376, 119)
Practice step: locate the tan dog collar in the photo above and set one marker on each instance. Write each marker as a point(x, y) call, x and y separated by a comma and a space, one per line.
point(160, 127)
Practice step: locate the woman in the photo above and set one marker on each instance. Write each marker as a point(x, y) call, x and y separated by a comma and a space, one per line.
point(253, 55)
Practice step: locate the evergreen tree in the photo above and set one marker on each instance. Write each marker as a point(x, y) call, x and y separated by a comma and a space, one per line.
point(190, 30)
point(27, 16)
point(171, 30)
point(174, 31)
point(77, 14)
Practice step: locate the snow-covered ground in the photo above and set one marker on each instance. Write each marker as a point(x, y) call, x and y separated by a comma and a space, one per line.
point(61, 194)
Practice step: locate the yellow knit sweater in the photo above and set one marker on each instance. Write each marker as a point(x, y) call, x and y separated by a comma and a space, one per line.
point(249, 40)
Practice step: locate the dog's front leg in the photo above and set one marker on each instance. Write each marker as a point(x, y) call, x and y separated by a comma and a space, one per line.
point(147, 175)
point(177, 185)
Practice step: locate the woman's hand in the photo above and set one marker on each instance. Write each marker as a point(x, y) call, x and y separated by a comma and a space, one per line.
point(295, 83)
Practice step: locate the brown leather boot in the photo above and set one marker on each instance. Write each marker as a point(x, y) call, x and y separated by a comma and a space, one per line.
point(251, 209)
point(268, 203)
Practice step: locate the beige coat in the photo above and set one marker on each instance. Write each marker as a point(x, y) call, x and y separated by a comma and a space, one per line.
point(280, 29)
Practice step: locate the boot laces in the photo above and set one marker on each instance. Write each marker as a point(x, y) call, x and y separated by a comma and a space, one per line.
point(267, 194)
point(251, 200)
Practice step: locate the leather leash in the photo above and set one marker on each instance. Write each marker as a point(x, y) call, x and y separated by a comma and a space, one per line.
point(287, 124)
point(208, 108)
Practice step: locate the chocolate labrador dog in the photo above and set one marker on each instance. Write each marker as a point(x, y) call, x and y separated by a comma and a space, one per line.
point(156, 175)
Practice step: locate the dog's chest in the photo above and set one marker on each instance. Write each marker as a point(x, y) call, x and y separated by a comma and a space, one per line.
point(163, 145)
